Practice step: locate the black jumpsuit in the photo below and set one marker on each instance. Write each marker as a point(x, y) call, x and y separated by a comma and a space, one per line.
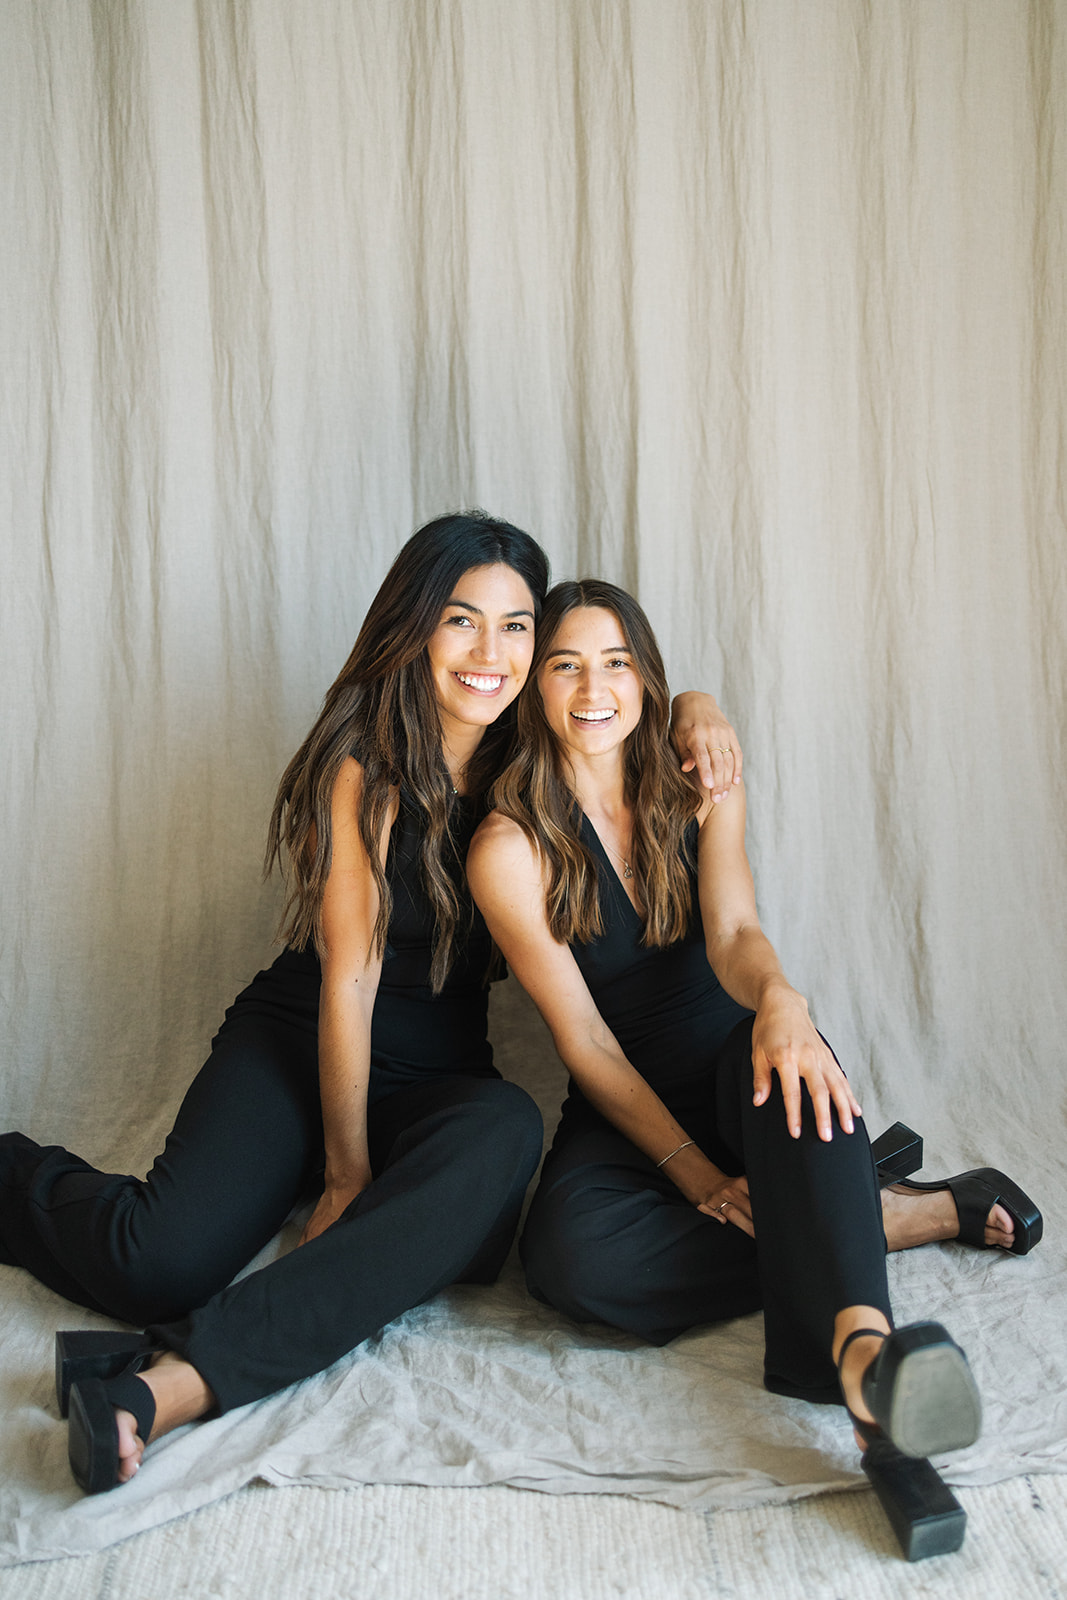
point(452, 1149)
point(610, 1238)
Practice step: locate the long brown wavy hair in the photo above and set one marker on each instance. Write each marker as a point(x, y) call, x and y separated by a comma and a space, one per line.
point(382, 709)
point(535, 789)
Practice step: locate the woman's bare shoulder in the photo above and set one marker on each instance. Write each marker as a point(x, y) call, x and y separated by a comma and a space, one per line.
point(499, 842)
point(346, 797)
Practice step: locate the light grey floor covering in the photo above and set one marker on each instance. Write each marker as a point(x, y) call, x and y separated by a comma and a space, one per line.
point(393, 1543)
point(485, 1388)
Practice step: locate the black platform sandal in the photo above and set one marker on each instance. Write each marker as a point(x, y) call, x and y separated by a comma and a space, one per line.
point(93, 1430)
point(920, 1390)
point(976, 1193)
point(87, 1353)
point(898, 1152)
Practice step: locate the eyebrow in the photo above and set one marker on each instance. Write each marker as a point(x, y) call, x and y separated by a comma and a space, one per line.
point(465, 605)
point(610, 650)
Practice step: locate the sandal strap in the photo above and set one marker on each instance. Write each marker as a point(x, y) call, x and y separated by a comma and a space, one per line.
point(131, 1393)
point(974, 1198)
point(859, 1333)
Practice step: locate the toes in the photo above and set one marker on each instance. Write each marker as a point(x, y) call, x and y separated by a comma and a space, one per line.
point(999, 1228)
point(131, 1448)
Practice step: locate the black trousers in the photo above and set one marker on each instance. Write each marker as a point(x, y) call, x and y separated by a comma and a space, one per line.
point(452, 1157)
point(610, 1239)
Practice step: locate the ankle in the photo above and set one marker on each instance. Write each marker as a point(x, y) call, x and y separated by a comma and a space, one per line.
point(180, 1393)
point(910, 1219)
point(859, 1334)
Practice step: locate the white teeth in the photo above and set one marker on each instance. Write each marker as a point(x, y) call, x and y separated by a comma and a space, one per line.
point(592, 716)
point(476, 681)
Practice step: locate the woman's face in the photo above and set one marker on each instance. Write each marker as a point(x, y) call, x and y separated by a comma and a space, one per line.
point(481, 649)
point(591, 690)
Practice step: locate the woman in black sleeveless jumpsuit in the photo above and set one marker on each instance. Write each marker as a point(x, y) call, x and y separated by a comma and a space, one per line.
point(453, 1148)
point(610, 1238)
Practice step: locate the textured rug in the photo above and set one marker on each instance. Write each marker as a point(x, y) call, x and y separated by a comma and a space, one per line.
point(388, 1543)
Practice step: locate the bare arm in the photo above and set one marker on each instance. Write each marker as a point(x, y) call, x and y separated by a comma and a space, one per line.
point(505, 878)
point(784, 1038)
point(350, 974)
point(705, 741)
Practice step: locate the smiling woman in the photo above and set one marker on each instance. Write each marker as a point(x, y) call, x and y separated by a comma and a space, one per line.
point(589, 685)
point(479, 656)
point(711, 1159)
point(357, 1067)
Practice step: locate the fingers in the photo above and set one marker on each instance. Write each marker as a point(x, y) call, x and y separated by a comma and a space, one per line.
point(827, 1086)
point(726, 771)
point(718, 765)
point(730, 1204)
point(845, 1103)
point(783, 1062)
point(700, 757)
point(820, 1102)
point(739, 1218)
point(790, 1081)
point(738, 755)
point(319, 1220)
point(761, 1078)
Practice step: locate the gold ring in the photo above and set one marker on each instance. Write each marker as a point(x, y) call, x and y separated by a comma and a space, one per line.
point(725, 749)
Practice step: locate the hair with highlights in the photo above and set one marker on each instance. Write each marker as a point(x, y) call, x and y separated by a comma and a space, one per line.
point(535, 790)
point(382, 709)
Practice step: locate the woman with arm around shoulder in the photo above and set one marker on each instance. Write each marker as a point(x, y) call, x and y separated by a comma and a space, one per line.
point(710, 1159)
point(359, 1060)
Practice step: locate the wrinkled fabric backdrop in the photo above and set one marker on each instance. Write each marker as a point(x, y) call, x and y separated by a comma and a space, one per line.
point(756, 308)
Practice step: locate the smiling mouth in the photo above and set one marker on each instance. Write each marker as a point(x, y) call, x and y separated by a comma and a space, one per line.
point(594, 719)
point(481, 683)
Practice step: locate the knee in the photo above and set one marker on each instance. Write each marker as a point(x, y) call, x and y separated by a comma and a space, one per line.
point(570, 1252)
point(148, 1291)
point(505, 1124)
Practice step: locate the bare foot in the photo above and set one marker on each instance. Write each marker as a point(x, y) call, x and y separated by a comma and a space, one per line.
point(181, 1395)
point(912, 1217)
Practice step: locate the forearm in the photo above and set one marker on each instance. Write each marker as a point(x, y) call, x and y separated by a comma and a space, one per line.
point(344, 1078)
point(745, 963)
point(617, 1090)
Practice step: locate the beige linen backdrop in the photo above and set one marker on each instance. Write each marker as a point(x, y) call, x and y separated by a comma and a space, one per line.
point(757, 308)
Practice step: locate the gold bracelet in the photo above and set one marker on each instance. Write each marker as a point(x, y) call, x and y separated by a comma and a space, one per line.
point(684, 1146)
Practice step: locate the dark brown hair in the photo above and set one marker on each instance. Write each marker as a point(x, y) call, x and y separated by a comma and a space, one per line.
point(535, 789)
point(382, 709)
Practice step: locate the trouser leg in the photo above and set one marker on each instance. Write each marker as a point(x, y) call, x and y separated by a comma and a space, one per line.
point(609, 1237)
point(247, 1140)
point(817, 1212)
point(452, 1160)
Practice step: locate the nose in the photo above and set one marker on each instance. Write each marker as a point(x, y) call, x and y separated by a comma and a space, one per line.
point(486, 646)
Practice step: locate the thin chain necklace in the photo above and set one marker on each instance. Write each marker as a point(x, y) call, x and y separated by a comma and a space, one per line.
point(626, 869)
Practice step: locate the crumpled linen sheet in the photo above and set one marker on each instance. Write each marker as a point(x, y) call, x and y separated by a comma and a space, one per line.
point(486, 1386)
point(756, 306)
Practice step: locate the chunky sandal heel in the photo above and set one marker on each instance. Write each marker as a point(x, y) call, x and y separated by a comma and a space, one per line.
point(921, 1393)
point(923, 1512)
point(88, 1353)
point(897, 1152)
